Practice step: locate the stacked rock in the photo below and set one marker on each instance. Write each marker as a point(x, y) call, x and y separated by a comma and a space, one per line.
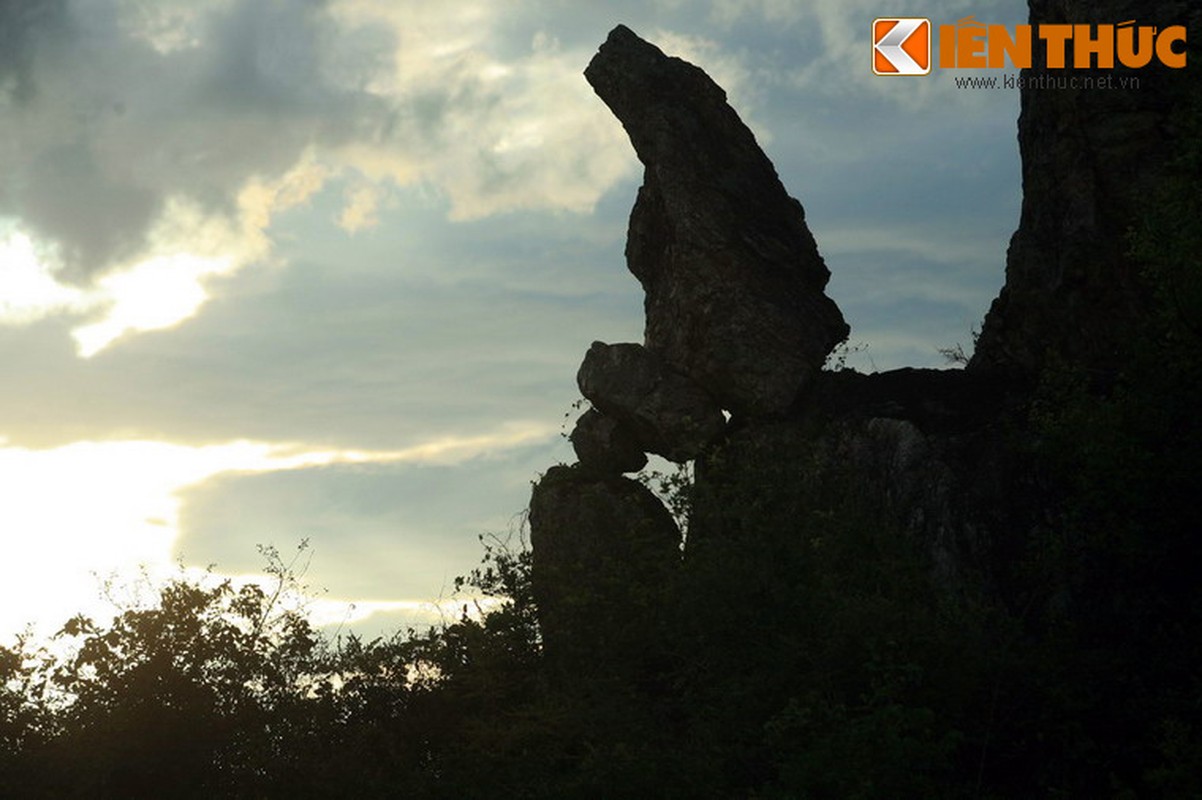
point(736, 320)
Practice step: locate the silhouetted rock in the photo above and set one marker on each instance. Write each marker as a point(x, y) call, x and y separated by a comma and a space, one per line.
point(733, 279)
point(1038, 502)
point(935, 400)
point(604, 446)
point(602, 548)
point(1092, 162)
point(665, 411)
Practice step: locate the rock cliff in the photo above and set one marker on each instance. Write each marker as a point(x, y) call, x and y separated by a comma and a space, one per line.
point(736, 319)
point(733, 278)
point(1091, 161)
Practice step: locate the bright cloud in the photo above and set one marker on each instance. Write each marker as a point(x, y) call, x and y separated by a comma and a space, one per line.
point(28, 289)
point(155, 294)
point(93, 509)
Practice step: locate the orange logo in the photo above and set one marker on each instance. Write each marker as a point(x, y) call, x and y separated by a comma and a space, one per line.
point(901, 46)
point(973, 45)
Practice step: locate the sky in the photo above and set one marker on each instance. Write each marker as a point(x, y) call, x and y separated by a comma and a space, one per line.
point(276, 272)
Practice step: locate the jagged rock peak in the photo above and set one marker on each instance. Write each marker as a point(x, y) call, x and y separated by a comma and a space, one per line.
point(733, 278)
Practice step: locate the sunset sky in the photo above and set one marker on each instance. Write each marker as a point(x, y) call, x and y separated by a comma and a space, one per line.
point(285, 270)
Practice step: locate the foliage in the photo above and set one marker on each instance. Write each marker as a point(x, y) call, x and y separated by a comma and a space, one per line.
point(674, 488)
point(175, 697)
point(840, 354)
point(956, 354)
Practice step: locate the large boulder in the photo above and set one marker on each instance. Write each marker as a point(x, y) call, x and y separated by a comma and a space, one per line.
point(666, 412)
point(603, 548)
point(733, 279)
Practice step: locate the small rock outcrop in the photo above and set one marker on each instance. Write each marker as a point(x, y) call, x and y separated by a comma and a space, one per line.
point(733, 279)
point(604, 446)
point(665, 412)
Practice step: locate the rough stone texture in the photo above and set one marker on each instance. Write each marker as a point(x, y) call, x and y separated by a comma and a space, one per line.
point(667, 413)
point(950, 486)
point(946, 454)
point(604, 446)
point(603, 548)
point(733, 279)
point(1091, 160)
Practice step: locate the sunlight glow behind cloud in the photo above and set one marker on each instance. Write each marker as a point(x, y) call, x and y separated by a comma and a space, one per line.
point(154, 295)
point(28, 290)
point(88, 510)
point(166, 286)
point(151, 174)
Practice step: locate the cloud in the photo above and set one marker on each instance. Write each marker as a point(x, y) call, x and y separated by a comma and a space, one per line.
point(382, 532)
point(362, 209)
point(118, 129)
point(153, 150)
point(422, 330)
point(361, 341)
point(228, 113)
point(493, 132)
point(26, 28)
point(166, 284)
point(28, 290)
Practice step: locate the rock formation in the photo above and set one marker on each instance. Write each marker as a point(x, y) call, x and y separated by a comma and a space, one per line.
point(733, 278)
point(1091, 159)
point(664, 411)
point(736, 319)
